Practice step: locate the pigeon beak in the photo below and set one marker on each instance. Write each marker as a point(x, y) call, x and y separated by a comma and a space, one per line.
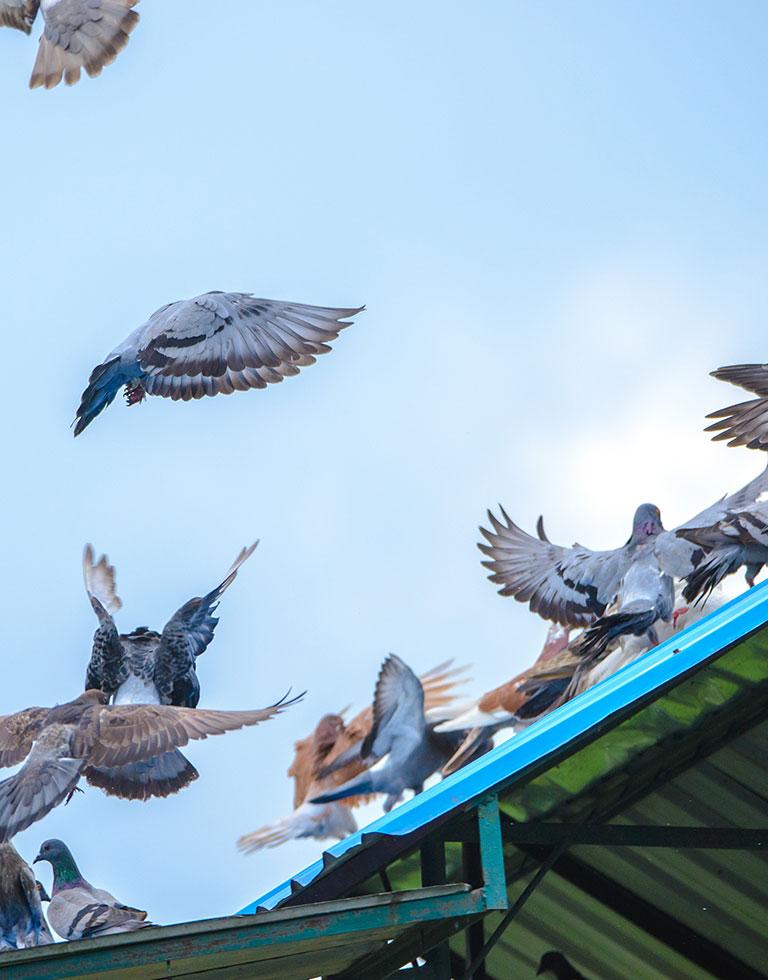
point(39, 857)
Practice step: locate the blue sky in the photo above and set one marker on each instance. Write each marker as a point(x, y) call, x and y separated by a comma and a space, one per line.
point(556, 216)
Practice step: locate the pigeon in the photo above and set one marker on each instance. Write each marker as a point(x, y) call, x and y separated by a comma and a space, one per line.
point(401, 732)
point(744, 424)
point(214, 343)
point(22, 922)
point(331, 739)
point(145, 667)
point(76, 34)
point(77, 910)
point(555, 966)
point(59, 743)
point(575, 586)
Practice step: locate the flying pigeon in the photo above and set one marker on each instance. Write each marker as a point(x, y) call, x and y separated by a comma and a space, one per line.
point(22, 922)
point(554, 966)
point(744, 424)
point(497, 709)
point(59, 743)
point(145, 667)
point(76, 34)
point(77, 909)
point(214, 343)
point(331, 739)
point(575, 586)
point(401, 732)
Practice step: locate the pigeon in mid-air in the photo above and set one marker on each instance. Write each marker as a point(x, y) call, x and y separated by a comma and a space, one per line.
point(554, 966)
point(401, 733)
point(76, 34)
point(59, 743)
point(213, 344)
point(22, 922)
point(576, 586)
point(331, 739)
point(146, 667)
point(77, 910)
point(746, 423)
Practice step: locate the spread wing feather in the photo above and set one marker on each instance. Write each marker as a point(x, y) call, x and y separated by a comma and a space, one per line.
point(571, 586)
point(225, 342)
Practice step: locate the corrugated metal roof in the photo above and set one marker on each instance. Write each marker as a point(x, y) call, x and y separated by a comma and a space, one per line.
point(639, 716)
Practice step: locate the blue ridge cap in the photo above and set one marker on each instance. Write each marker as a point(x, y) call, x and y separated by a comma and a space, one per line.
point(639, 679)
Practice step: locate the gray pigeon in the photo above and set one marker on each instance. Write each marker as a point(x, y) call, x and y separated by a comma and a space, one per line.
point(145, 667)
point(76, 34)
point(556, 967)
point(77, 909)
point(60, 743)
point(744, 424)
point(400, 731)
point(22, 922)
point(213, 344)
point(575, 586)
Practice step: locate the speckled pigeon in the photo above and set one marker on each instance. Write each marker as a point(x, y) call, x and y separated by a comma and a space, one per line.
point(145, 667)
point(76, 34)
point(331, 739)
point(59, 743)
point(401, 733)
point(575, 586)
point(22, 922)
point(744, 424)
point(77, 909)
point(213, 344)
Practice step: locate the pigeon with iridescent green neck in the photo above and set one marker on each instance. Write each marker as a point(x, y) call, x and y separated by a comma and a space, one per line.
point(77, 909)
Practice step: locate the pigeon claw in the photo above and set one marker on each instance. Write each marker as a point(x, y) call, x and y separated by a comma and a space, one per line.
point(677, 613)
point(71, 793)
point(134, 393)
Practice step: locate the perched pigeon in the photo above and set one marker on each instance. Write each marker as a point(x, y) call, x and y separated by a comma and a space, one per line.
point(59, 743)
point(22, 922)
point(331, 739)
point(555, 966)
point(744, 424)
point(575, 586)
point(214, 343)
point(77, 909)
point(76, 34)
point(401, 732)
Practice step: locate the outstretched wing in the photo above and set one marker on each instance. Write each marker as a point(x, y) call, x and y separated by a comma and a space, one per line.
point(225, 342)
point(117, 734)
point(106, 668)
point(99, 578)
point(185, 636)
point(744, 424)
point(81, 34)
point(398, 706)
point(17, 733)
point(18, 13)
point(571, 586)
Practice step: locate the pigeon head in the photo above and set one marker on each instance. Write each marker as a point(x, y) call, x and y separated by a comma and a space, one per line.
point(65, 872)
point(92, 696)
point(44, 896)
point(554, 962)
point(646, 522)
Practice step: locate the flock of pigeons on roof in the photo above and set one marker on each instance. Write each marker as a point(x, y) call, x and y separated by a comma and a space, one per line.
point(140, 704)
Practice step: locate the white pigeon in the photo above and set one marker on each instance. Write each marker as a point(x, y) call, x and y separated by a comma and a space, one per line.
point(76, 34)
point(213, 344)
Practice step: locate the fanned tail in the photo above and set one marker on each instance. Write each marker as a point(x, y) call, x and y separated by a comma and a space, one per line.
point(161, 776)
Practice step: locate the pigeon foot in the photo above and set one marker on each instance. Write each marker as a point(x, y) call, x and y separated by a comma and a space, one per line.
point(677, 613)
point(71, 793)
point(134, 393)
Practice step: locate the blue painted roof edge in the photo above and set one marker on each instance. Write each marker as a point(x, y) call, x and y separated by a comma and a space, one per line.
point(671, 659)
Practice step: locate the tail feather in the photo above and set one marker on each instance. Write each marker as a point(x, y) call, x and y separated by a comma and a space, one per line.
point(161, 776)
point(362, 785)
point(595, 640)
point(104, 383)
point(320, 822)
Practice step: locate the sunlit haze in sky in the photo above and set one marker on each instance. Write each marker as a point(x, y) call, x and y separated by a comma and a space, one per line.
point(556, 216)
